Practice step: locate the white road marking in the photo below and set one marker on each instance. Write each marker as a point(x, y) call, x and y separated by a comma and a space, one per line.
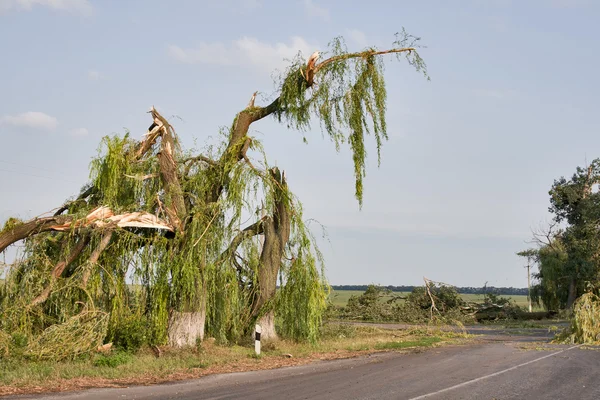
point(490, 375)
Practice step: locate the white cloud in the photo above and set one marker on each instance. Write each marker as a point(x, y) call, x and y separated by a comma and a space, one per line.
point(83, 7)
point(358, 37)
point(205, 53)
point(245, 51)
point(94, 75)
point(79, 132)
point(30, 119)
point(313, 10)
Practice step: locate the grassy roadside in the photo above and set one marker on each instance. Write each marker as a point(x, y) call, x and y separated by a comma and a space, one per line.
point(122, 369)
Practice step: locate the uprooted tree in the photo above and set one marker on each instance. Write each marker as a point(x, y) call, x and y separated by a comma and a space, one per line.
point(171, 222)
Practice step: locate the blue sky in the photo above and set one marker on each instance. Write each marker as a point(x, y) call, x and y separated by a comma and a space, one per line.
point(512, 104)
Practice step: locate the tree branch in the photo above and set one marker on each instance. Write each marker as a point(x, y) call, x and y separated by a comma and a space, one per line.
point(59, 268)
point(201, 158)
point(252, 230)
point(24, 230)
point(362, 54)
point(88, 192)
point(96, 255)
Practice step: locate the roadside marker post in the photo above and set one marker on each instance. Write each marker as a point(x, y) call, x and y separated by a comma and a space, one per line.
point(257, 331)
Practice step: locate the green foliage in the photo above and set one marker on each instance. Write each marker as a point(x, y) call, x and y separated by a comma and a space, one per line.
point(10, 224)
point(585, 325)
point(127, 292)
point(369, 305)
point(130, 333)
point(575, 262)
point(446, 298)
point(379, 304)
point(80, 334)
point(303, 298)
point(552, 287)
point(348, 97)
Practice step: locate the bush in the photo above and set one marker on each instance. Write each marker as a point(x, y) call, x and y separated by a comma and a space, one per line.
point(373, 306)
point(446, 298)
point(585, 325)
point(131, 333)
point(370, 306)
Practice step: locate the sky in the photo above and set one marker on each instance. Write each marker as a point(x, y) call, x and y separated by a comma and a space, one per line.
point(511, 106)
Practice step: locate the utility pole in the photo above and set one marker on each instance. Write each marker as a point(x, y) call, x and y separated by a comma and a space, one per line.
point(531, 255)
point(529, 286)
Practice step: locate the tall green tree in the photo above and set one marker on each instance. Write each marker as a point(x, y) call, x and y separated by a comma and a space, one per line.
point(552, 287)
point(575, 203)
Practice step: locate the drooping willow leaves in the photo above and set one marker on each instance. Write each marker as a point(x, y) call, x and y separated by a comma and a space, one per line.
point(160, 230)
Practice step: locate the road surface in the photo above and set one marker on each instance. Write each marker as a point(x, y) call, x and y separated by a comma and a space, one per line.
point(497, 366)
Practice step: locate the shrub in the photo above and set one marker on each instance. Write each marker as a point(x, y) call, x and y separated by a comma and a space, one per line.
point(131, 333)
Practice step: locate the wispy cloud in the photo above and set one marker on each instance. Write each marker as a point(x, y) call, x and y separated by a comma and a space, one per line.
point(30, 119)
point(245, 51)
point(82, 7)
point(357, 37)
point(314, 10)
point(79, 132)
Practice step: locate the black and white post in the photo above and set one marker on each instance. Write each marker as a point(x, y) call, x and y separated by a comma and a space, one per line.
point(257, 330)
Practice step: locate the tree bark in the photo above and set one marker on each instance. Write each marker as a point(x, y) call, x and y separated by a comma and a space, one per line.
point(186, 328)
point(572, 293)
point(96, 255)
point(276, 235)
point(24, 230)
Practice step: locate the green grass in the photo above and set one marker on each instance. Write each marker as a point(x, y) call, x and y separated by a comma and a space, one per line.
point(340, 297)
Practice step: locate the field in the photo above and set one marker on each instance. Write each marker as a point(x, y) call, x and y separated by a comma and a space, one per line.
point(340, 297)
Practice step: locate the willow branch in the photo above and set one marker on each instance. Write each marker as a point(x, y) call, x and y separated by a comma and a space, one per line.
point(362, 54)
point(88, 192)
point(59, 268)
point(201, 158)
point(253, 230)
point(433, 307)
point(29, 228)
point(96, 255)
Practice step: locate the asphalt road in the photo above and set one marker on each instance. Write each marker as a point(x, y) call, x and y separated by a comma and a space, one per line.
point(500, 365)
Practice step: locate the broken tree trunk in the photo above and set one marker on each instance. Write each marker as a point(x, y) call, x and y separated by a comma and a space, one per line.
point(276, 230)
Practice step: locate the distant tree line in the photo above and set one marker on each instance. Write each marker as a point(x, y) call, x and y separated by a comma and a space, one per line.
point(506, 291)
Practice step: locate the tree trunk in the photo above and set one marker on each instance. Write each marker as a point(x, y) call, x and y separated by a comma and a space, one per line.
point(572, 293)
point(186, 328)
point(267, 324)
point(276, 231)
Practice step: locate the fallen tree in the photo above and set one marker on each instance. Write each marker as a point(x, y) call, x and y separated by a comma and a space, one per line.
point(171, 221)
